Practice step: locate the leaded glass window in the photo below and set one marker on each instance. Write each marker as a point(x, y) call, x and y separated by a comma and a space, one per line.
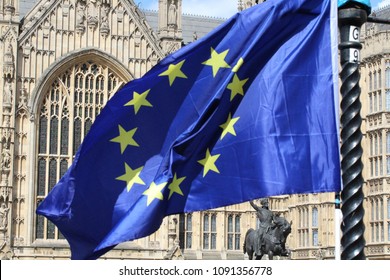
point(188, 231)
point(376, 167)
point(213, 244)
point(376, 145)
point(234, 232)
point(237, 232)
point(371, 145)
point(209, 231)
point(388, 165)
point(370, 109)
point(315, 217)
point(387, 94)
point(230, 233)
point(206, 232)
point(69, 107)
point(388, 231)
point(388, 208)
point(370, 81)
point(315, 237)
point(388, 143)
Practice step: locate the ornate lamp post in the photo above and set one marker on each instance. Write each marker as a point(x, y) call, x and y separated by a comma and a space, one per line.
point(352, 15)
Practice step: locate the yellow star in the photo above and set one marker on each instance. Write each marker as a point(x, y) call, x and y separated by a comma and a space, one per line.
point(125, 138)
point(154, 191)
point(240, 62)
point(228, 126)
point(217, 61)
point(236, 86)
point(131, 177)
point(139, 100)
point(174, 71)
point(209, 163)
point(174, 187)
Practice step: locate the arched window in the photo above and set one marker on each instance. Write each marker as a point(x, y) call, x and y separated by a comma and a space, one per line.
point(315, 217)
point(230, 232)
point(234, 232)
point(387, 94)
point(314, 224)
point(388, 208)
point(206, 231)
point(388, 142)
point(237, 230)
point(375, 145)
point(213, 244)
point(209, 231)
point(370, 81)
point(69, 107)
point(188, 232)
point(371, 104)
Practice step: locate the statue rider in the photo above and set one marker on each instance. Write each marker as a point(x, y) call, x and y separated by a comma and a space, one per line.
point(265, 217)
point(279, 222)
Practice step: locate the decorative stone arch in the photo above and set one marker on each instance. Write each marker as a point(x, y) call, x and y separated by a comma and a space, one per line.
point(68, 61)
point(64, 104)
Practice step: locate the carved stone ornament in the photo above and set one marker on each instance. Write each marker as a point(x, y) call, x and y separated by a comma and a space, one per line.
point(9, 7)
point(5, 159)
point(6, 138)
point(80, 15)
point(65, 8)
point(27, 50)
point(3, 216)
point(9, 63)
point(5, 251)
point(93, 14)
point(8, 93)
point(104, 23)
point(23, 98)
point(172, 14)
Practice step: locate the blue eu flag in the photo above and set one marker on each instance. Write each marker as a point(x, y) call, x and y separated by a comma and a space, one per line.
point(248, 111)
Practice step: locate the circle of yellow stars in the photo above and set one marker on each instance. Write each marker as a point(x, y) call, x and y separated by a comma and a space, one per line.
point(125, 138)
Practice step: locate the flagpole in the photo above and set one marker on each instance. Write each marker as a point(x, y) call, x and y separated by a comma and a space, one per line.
point(352, 15)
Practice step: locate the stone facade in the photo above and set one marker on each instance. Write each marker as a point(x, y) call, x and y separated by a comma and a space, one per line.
point(65, 51)
point(375, 76)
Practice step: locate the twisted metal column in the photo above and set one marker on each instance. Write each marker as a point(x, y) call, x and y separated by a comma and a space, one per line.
point(352, 241)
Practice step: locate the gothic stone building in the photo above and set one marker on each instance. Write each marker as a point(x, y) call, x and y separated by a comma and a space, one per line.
point(375, 71)
point(63, 59)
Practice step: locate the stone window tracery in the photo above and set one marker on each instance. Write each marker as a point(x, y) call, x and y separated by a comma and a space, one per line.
point(70, 105)
point(209, 231)
point(234, 232)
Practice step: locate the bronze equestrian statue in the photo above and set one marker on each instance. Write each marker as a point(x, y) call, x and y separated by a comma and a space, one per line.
point(271, 236)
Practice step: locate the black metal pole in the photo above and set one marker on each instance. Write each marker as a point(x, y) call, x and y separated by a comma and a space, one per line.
point(351, 19)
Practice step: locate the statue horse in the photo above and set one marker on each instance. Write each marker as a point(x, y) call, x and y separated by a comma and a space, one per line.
point(272, 240)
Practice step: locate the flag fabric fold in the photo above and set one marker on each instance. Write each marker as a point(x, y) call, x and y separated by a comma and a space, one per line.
point(246, 112)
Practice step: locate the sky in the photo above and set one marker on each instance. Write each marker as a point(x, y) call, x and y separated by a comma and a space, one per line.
point(220, 8)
